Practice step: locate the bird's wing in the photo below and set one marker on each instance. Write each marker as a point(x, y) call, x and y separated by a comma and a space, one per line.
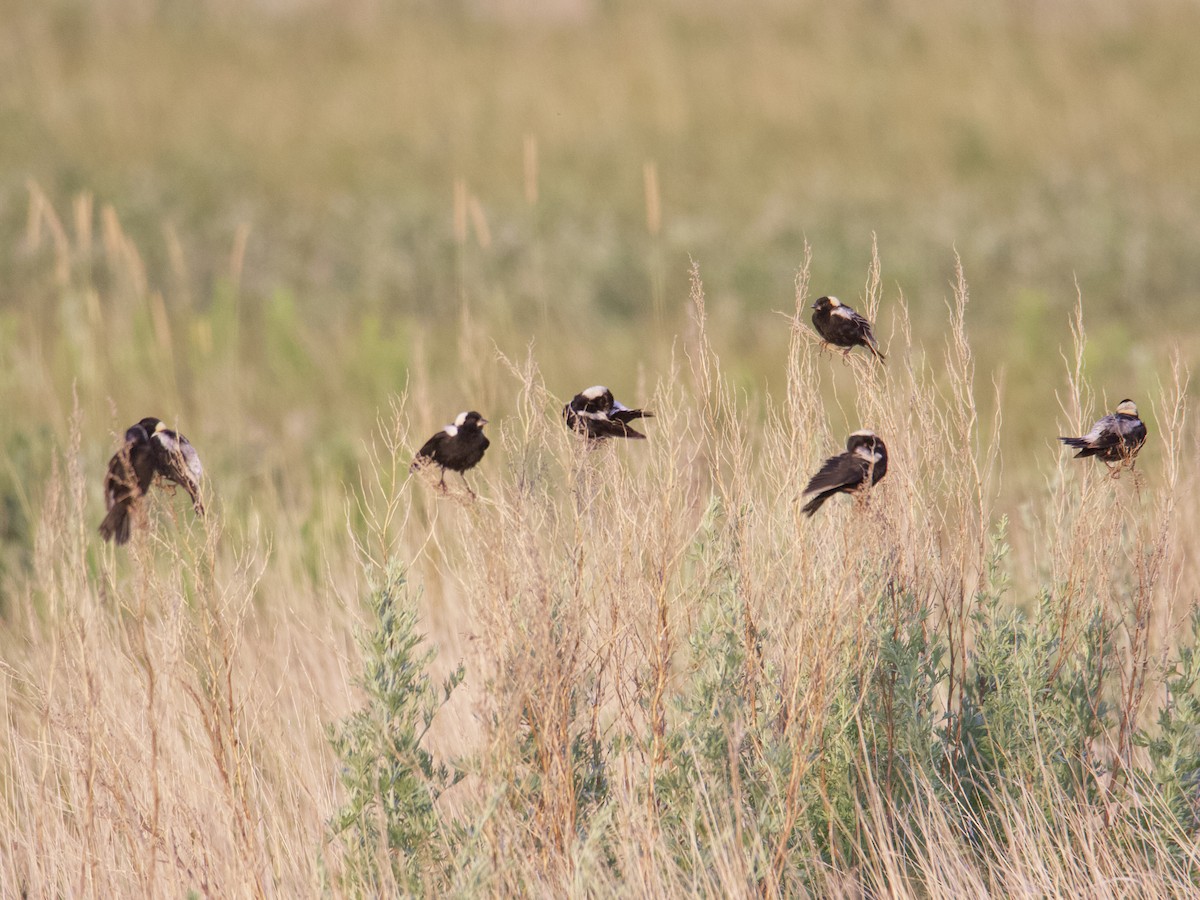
point(430, 447)
point(1134, 430)
point(185, 462)
point(858, 320)
point(625, 414)
point(843, 470)
point(131, 470)
point(179, 462)
point(120, 483)
point(601, 425)
point(864, 328)
point(1105, 433)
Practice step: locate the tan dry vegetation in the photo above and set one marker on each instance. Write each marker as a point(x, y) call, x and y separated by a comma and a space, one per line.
point(166, 707)
point(308, 237)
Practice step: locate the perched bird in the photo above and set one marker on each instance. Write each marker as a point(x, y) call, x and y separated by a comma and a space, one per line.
point(457, 447)
point(865, 460)
point(596, 415)
point(1115, 438)
point(151, 448)
point(841, 326)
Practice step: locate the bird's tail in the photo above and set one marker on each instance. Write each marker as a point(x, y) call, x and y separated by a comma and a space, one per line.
point(625, 416)
point(874, 348)
point(1080, 444)
point(815, 503)
point(115, 526)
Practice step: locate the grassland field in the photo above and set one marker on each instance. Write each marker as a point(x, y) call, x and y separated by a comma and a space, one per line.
point(310, 233)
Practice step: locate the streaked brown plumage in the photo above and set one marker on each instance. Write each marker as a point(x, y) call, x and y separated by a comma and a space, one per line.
point(150, 449)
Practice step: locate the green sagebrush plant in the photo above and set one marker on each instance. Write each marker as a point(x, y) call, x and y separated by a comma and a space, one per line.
point(388, 826)
point(1174, 745)
point(916, 722)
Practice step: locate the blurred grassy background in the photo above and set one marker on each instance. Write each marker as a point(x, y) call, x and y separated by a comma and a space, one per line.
point(266, 220)
point(318, 198)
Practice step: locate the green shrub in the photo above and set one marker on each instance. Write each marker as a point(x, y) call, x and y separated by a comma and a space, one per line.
point(388, 824)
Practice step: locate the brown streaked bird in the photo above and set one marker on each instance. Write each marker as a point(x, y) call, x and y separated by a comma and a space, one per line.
point(596, 414)
point(456, 447)
point(151, 449)
point(840, 325)
point(861, 466)
point(1116, 438)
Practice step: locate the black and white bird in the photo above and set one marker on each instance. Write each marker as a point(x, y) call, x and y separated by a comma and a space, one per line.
point(456, 447)
point(841, 326)
point(1116, 438)
point(861, 466)
point(596, 415)
point(150, 449)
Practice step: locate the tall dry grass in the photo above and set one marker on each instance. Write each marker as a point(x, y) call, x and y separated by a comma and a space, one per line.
point(675, 683)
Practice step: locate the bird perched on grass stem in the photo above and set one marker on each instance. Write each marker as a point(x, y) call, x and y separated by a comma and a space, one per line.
point(596, 415)
point(841, 326)
point(1116, 438)
point(151, 448)
point(861, 466)
point(456, 447)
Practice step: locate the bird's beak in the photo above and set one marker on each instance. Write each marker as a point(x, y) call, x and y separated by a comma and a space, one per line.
point(482, 422)
point(814, 306)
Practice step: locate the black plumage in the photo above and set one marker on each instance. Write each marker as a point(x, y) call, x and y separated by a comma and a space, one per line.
point(150, 449)
point(456, 447)
point(1115, 438)
point(865, 460)
point(841, 326)
point(596, 415)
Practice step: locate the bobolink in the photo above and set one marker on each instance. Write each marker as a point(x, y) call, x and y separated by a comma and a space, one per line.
point(841, 326)
point(1115, 438)
point(456, 447)
point(865, 459)
point(150, 449)
point(596, 415)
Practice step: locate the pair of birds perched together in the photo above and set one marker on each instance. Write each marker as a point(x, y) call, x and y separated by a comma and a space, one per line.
point(593, 414)
point(152, 450)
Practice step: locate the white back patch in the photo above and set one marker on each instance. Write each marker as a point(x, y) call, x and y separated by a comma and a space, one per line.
point(844, 311)
point(451, 430)
point(1108, 423)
